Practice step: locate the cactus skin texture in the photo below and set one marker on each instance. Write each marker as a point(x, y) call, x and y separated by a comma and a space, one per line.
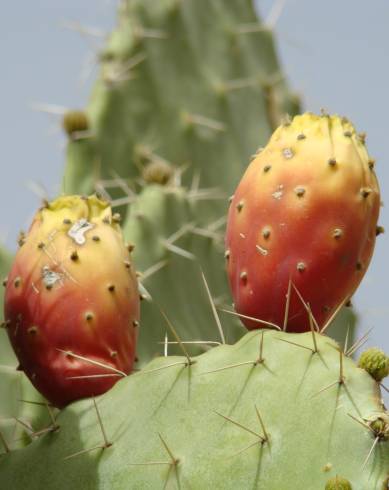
point(305, 211)
point(375, 362)
point(289, 418)
point(176, 86)
point(72, 292)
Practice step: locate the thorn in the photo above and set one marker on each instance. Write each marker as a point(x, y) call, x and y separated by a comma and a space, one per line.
point(307, 308)
point(153, 269)
point(287, 304)
point(253, 363)
point(296, 344)
point(175, 461)
point(182, 363)
point(55, 426)
point(370, 452)
point(195, 342)
point(205, 121)
point(384, 387)
point(241, 426)
point(190, 361)
point(266, 438)
point(331, 318)
point(91, 361)
point(261, 358)
point(346, 339)
point(214, 311)
point(341, 369)
point(240, 315)
point(312, 330)
point(165, 346)
point(362, 422)
point(179, 251)
point(92, 376)
point(106, 442)
point(357, 344)
point(84, 451)
point(275, 13)
point(4, 442)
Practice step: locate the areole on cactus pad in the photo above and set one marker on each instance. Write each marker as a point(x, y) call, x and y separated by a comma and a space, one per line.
point(304, 215)
point(71, 300)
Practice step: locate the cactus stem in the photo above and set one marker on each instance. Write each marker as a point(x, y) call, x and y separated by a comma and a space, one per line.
point(247, 429)
point(214, 310)
point(240, 315)
point(91, 361)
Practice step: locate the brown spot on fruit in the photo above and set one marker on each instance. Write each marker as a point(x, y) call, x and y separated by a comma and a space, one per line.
point(74, 256)
point(300, 191)
point(243, 276)
point(111, 288)
point(17, 281)
point(332, 162)
point(365, 192)
point(32, 330)
point(266, 233)
point(266, 168)
point(239, 206)
point(379, 230)
point(89, 316)
point(337, 233)
point(301, 266)
point(227, 254)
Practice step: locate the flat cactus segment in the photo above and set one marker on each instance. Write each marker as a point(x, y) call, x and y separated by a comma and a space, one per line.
point(257, 414)
point(196, 82)
point(162, 225)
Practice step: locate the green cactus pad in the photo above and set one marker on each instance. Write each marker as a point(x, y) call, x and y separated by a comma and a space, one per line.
point(162, 224)
point(260, 413)
point(195, 83)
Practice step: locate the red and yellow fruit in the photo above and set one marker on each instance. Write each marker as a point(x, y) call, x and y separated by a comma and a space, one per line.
point(72, 302)
point(305, 213)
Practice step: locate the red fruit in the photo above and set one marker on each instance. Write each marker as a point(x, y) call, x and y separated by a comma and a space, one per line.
point(71, 301)
point(305, 211)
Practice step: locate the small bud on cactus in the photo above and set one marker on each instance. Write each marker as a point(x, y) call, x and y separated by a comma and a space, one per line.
point(72, 302)
point(320, 198)
point(375, 362)
point(338, 483)
point(74, 122)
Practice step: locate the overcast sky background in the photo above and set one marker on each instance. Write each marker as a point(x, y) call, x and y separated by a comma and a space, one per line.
point(334, 53)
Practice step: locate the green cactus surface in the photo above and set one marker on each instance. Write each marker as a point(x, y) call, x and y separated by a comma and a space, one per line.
point(196, 83)
point(274, 410)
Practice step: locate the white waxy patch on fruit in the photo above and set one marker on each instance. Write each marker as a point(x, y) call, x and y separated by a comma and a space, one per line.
point(279, 192)
point(288, 153)
point(49, 277)
point(78, 230)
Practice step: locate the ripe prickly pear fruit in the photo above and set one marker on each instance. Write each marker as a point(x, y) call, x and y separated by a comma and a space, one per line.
point(305, 213)
point(71, 301)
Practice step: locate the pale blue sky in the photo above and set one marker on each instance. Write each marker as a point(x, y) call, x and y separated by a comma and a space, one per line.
point(334, 53)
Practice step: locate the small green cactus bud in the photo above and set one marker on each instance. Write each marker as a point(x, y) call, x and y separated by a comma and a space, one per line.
point(375, 362)
point(157, 172)
point(338, 483)
point(75, 121)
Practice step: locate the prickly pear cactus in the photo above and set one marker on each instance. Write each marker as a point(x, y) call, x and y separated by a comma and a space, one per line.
point(173, 250)
point(273, 408)
point(196, 83)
